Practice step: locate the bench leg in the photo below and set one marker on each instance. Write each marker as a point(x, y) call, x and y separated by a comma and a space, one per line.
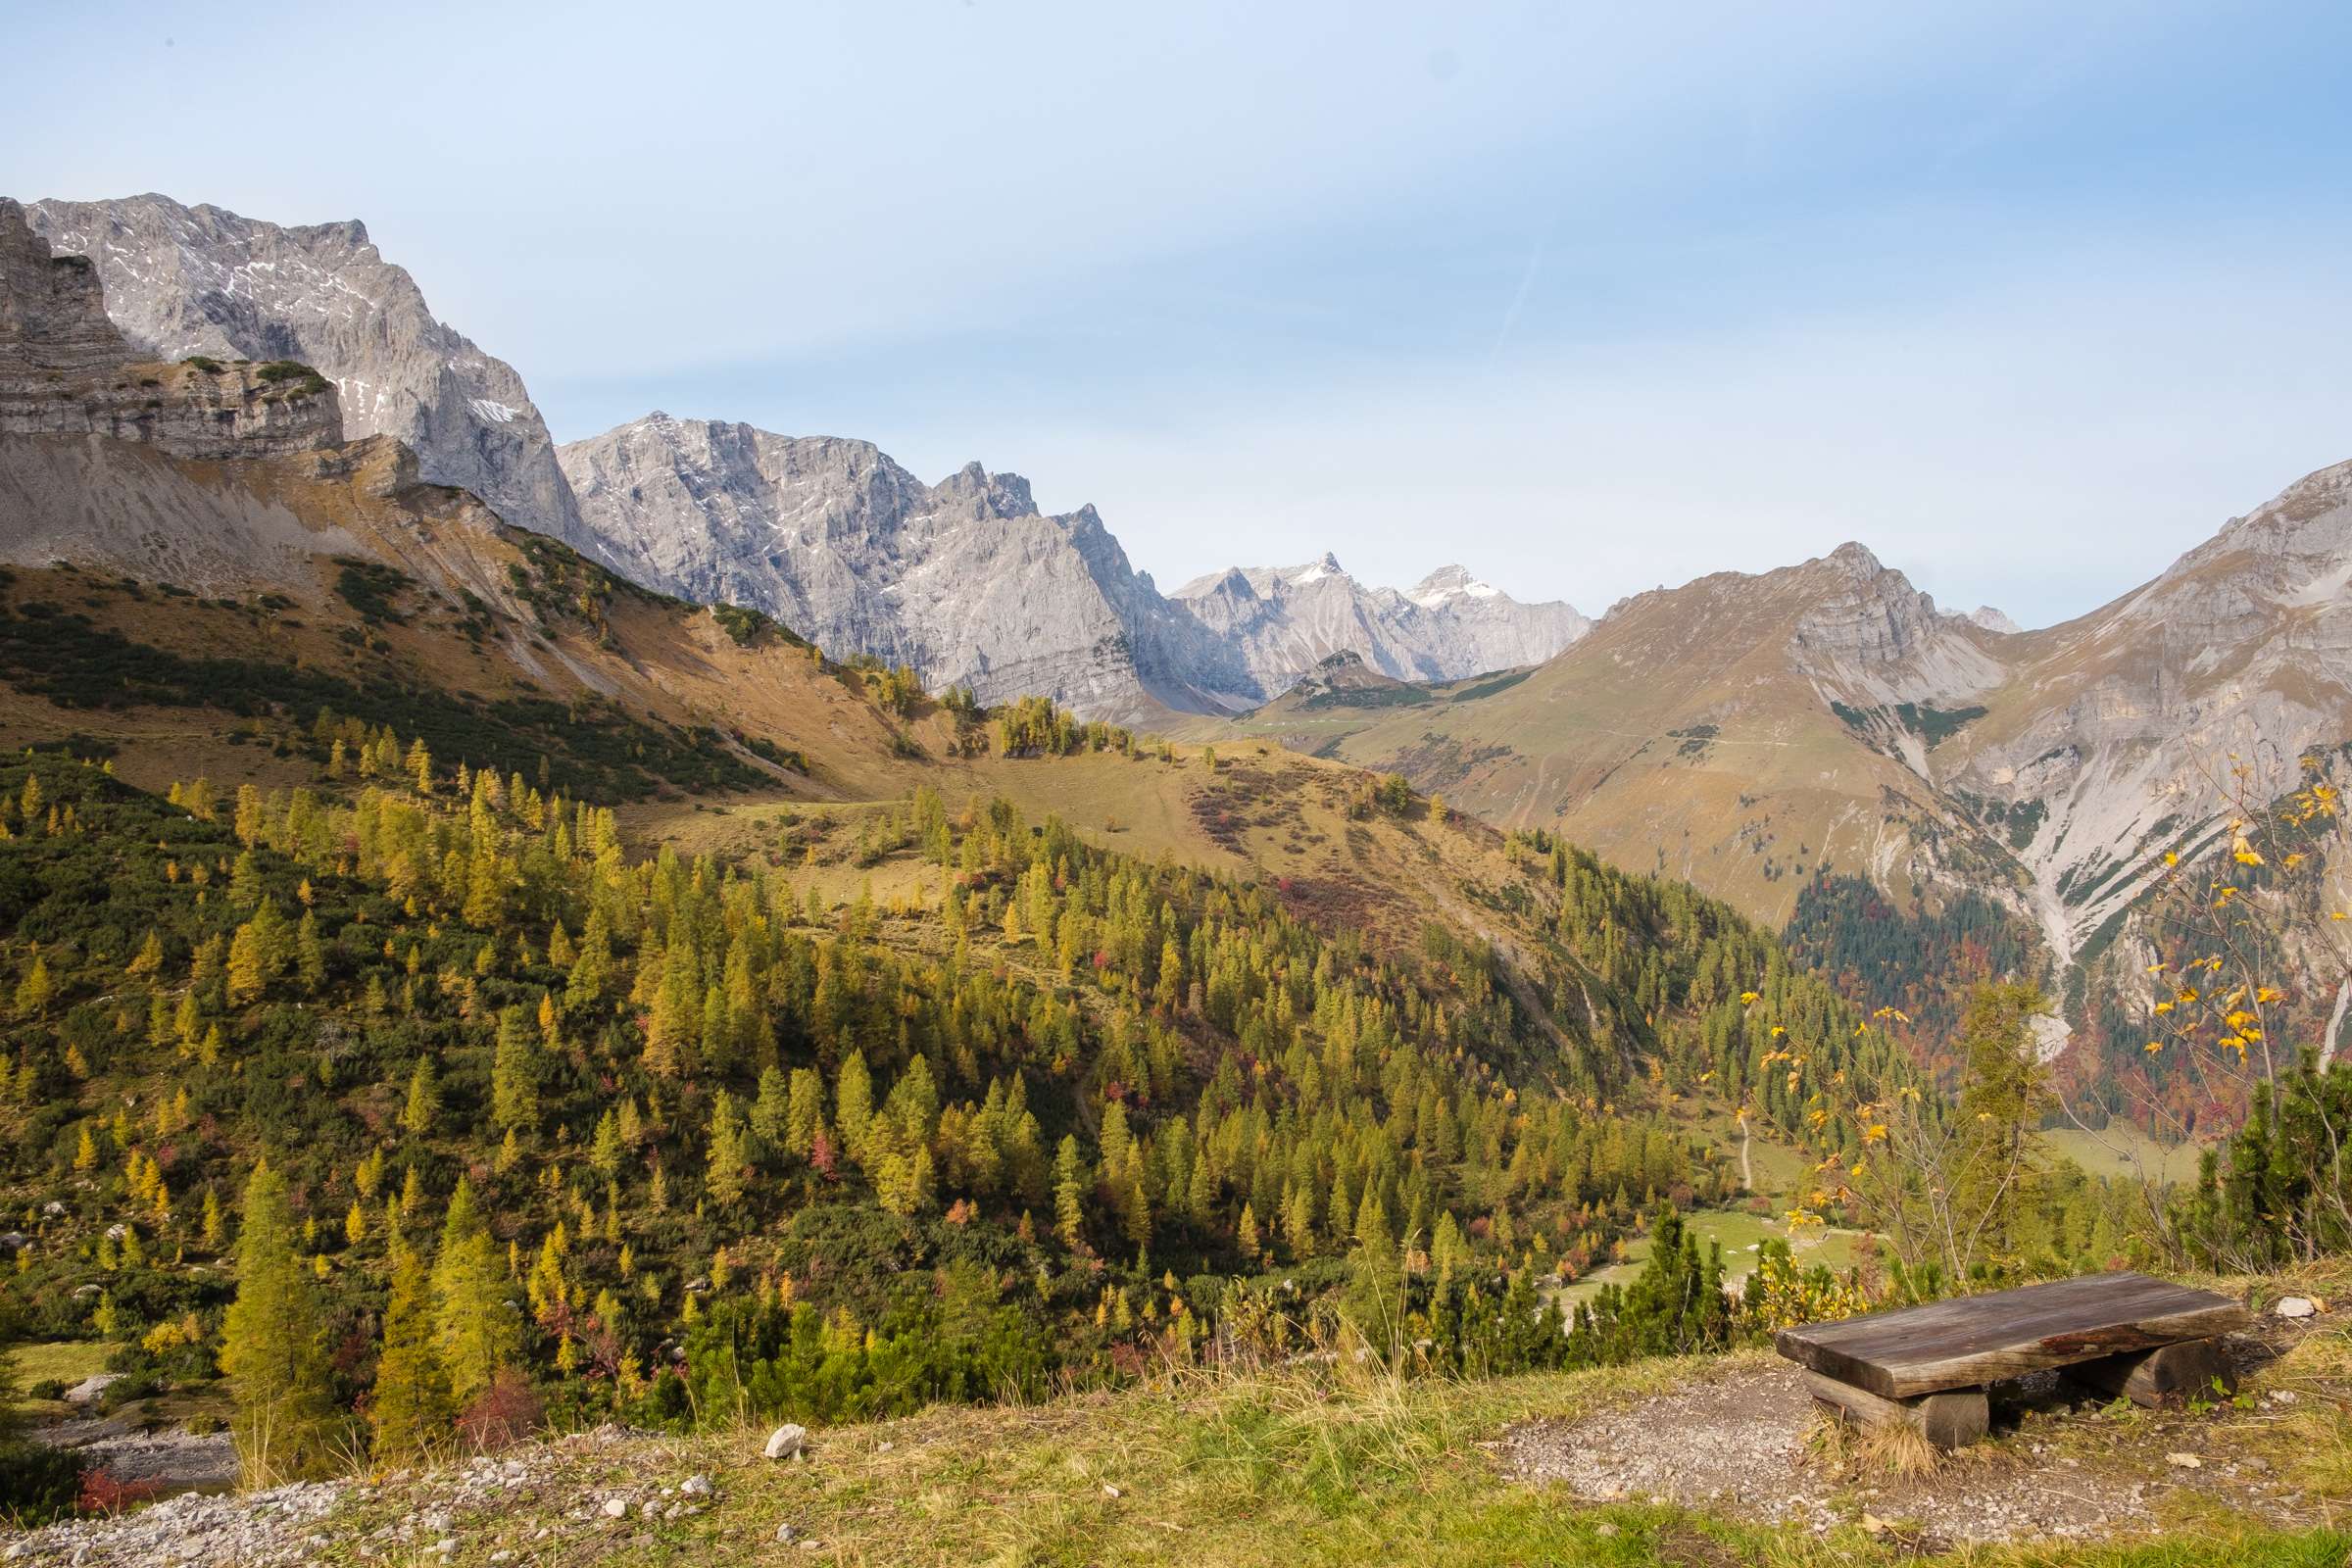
point(1953, 1419)
point(2170, 1374)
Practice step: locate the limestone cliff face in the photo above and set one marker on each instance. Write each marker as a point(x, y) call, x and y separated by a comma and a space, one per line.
point(52, 308)
point(1285, 621)
point(2112, 732)
point(965, 579)
point(200, 280)
point(65, 369)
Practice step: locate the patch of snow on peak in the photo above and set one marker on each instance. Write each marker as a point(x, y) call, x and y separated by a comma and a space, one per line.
point(492, 412)
point(1314, 571)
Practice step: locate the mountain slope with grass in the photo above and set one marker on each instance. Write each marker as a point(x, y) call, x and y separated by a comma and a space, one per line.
point(1825, 732)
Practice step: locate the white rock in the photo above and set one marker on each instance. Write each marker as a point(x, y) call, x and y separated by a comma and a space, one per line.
point(616, 1507)
point(92, 1387)
point(2183, 1461)
point(2296, 1307)
point(696, 1487)
point(787, 1443)
point(784, 1533)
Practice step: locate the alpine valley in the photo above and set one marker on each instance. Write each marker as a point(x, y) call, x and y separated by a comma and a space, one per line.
point(696, 926)
point(1807, 743)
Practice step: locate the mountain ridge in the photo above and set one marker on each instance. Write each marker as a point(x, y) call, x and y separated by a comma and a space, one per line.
point(1068, 617)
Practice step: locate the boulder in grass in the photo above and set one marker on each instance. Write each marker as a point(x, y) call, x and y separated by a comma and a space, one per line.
point(89, 1388)
point(2296, 1307)
point(787, 1443)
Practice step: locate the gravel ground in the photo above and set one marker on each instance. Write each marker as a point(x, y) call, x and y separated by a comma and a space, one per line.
point(171, 1460)
point(1738, 1444)
point(554, 1499)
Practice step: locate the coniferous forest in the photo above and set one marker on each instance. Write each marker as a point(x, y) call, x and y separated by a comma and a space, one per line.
point(412, 1093)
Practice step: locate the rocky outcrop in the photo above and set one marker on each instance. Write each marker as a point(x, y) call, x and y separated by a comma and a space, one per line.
point(52, 309)
point(1866, 637)
point(966, 580)
point(199, 280)
point(65, 369)
point(1285, 621)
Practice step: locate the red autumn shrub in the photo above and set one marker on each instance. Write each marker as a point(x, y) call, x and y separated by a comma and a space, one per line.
point(501, 1416)
point(103, 1491)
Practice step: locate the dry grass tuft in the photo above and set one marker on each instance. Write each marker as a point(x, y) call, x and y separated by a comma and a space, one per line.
point(1853, 1453)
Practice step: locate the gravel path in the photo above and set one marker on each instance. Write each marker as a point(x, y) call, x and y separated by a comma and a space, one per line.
point(1738, 1444)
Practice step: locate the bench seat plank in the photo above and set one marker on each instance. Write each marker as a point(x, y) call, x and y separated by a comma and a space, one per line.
point(1972, 1340)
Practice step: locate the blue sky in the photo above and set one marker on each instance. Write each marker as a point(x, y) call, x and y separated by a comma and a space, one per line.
point(2026, 298)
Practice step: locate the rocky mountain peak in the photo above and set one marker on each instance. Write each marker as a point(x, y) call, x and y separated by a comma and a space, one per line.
point(1288, 619)
point(1870, 633)
point(1991, 620)
point(185, 280)
point(1450, 582)
point(1854, 561)
point(991, 495)
point(65, 369)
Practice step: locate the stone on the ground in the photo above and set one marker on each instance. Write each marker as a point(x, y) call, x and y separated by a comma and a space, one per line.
point(784, 1533)
point(2183, 1461)
point(616, 1507)
point(2296, 1307)
point(787, 1443)
point(697, 1487)
point(92, 1387)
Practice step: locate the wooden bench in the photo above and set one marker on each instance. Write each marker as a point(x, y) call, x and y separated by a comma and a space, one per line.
point(1929, 1366)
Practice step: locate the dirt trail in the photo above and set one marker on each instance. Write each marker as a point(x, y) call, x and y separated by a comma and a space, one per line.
point(1739, 1442)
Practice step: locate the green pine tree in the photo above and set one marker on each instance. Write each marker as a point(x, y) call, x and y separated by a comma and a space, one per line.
point(476, 1328)
point(412, 1407)
point(272, 1344)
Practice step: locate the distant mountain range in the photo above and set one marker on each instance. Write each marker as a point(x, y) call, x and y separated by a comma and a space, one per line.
point(965, 579)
